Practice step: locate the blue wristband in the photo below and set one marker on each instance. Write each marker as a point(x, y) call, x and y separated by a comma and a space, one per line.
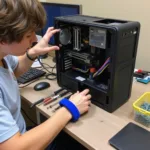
point(71, 107)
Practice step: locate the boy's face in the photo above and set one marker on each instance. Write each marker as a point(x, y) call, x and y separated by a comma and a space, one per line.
point(18, 49)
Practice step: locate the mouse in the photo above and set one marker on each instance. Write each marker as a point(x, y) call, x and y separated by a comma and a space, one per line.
point(41, 86)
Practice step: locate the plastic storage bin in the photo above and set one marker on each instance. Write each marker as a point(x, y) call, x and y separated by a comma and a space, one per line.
point(142, 115)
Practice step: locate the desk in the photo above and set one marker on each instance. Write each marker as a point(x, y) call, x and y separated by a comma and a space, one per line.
point(95, 128)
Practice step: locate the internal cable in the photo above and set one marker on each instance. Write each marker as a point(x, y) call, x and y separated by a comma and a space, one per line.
point(81, 70)
point(102, 67)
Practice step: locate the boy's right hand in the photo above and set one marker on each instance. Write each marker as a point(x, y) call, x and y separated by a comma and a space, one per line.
point(81, 100)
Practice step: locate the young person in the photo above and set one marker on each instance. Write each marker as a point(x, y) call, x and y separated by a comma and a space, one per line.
point(19, 19)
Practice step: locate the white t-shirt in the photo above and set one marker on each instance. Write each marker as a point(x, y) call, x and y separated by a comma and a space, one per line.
point(11, 119)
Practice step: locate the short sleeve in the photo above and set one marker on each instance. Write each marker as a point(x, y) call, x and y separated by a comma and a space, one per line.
point(8, 126)
point(13, 61)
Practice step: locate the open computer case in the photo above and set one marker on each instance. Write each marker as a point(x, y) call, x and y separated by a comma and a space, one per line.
point(98, 54)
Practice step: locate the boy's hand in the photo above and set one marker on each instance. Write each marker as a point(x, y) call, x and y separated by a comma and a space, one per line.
point(42, 47)
point(81, 100)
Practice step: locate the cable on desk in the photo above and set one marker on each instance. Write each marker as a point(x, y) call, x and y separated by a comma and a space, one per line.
point(43, 65)
point(28, 117)
point(29, 83)
point(49, 65)
point(41, 68)
point(47, 76)
point(51, 78)
point(53, 67)
point(49, 73)
point(32, 82)
point(50, 55)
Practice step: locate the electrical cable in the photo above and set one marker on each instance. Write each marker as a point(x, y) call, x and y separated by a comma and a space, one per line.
point(81, 70)
point(102, 67)
point(32, 82)
point(51, 78)
point(29, 83)
point(47, 76)
point(43, 65)
point(48, 65)
point(49, 73)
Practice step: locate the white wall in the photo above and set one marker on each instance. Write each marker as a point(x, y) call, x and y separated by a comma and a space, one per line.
point(136, 10)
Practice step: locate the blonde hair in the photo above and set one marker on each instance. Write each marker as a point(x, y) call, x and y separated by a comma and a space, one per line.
point(19, 16)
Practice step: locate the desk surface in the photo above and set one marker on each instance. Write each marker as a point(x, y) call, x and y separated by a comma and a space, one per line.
point(95, 128)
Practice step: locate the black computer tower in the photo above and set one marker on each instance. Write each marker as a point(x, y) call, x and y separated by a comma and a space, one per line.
point(98, 54)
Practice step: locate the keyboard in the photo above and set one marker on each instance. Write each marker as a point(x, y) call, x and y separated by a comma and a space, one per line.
point(31, 74)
